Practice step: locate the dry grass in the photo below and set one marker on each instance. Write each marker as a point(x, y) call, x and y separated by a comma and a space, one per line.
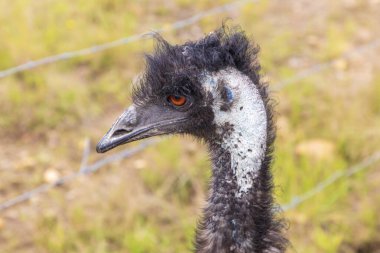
point(150, 203)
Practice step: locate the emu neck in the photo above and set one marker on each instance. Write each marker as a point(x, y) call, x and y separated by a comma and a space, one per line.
point(238, 216)
point(236, 221)
point(241, 128)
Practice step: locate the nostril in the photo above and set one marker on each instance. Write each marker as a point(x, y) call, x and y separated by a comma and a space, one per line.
point(121, 132)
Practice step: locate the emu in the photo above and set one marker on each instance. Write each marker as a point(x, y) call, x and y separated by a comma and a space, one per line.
point(211, 89)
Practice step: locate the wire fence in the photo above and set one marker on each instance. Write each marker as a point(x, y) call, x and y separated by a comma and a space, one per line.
point(123, 41)
point(89, 169)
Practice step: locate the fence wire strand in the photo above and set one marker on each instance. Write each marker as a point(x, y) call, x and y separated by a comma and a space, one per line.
point(324, 65)
point(84, 170)
point(102, 47)
point(366, 163)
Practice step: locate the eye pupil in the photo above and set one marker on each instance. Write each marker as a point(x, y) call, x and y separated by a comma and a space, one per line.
point(177, 100)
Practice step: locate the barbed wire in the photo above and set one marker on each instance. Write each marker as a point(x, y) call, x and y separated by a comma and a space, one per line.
point(119, 42)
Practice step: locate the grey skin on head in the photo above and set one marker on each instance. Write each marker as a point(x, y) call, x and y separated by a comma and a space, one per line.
point(211, 89)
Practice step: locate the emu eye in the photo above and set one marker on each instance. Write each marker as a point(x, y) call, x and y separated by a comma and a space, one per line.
point(177, 100)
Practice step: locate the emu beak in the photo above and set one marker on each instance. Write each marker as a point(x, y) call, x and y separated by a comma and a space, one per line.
point(139, 123)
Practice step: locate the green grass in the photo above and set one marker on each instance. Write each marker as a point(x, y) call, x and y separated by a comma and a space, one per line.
point(152, 201)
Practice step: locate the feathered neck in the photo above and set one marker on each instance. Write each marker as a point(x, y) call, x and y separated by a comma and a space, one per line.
point(239, 215)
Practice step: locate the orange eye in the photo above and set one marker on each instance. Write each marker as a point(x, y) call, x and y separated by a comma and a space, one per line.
point(177, 100)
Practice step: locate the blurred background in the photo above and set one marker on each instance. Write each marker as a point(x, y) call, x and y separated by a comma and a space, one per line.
point(320, 57)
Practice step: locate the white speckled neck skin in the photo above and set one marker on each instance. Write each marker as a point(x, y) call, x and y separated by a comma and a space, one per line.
point(246, 141)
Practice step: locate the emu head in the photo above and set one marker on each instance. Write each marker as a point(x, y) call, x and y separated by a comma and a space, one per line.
point(199, 88)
